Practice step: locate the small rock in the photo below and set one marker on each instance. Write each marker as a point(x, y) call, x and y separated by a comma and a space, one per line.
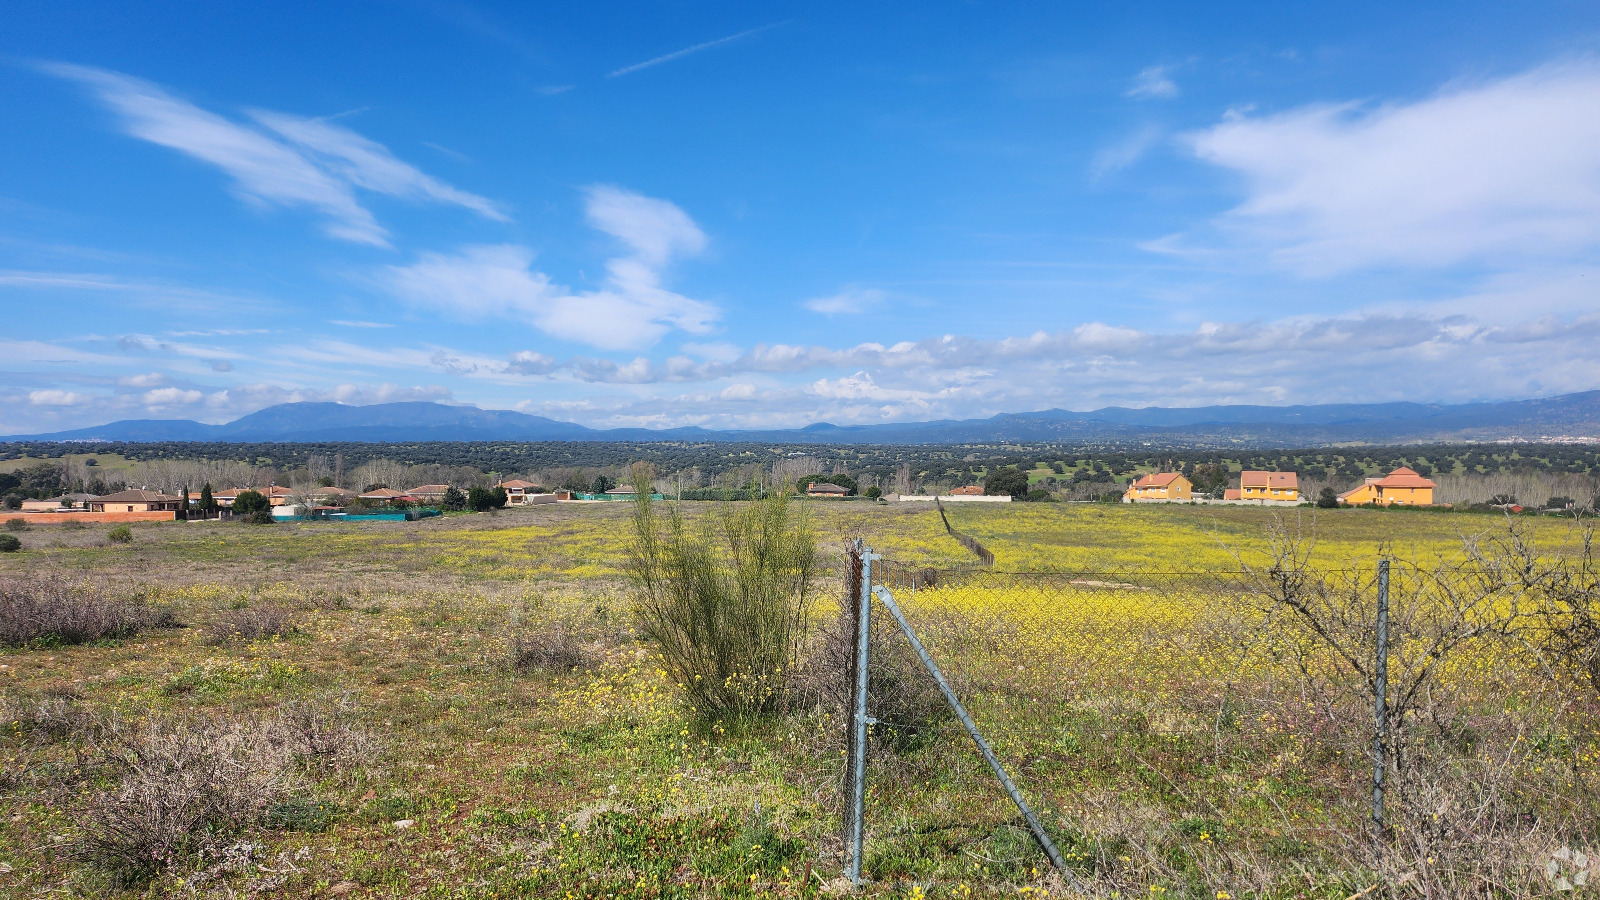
point(342, 888)
point(403, 824)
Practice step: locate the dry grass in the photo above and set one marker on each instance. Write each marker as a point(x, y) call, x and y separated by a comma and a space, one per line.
point(251, 623)
point(55, 610)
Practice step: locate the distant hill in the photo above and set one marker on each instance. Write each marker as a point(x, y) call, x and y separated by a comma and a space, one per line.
point(1202, 426)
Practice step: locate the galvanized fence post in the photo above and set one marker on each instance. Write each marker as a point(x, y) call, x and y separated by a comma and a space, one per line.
point(858, 732)
point(883, 594)
point(1380, 692)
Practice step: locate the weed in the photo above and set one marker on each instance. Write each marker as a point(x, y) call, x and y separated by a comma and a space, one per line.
point(121, 534)
point(251, 623)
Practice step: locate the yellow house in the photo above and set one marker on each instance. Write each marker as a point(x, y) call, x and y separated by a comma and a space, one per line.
point(1402, 487)
point(1167, 486)
point(1282, 486)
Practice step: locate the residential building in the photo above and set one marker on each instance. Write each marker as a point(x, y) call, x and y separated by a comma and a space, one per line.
point(517, 491)
point(824, 489)
point(429, 493)
point(385, 495)
point(971, 490)
point(1283, 487)
point(136, 501)
point(1402, 487)
point(1159, 487)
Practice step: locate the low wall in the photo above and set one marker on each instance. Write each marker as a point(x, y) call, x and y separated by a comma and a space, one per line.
point(96, 518)
point(956, 498)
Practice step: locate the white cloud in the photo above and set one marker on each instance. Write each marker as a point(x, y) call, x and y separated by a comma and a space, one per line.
point(56, 398)
point(847, 302)
point(148, 380)
point(318, 169)
point(1153, 82)
point(369, 165)
point(630, 310)
point(171, 396)
point(1124, 153)
point(656, 229)
point(1477, 173)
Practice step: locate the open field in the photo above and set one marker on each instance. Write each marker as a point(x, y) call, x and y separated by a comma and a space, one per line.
point(1168, 761)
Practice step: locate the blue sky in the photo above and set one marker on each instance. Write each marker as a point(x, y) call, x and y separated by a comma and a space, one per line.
point(739, 215)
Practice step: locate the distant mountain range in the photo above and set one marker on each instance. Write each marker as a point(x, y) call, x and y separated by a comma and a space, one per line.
point(1569, 415)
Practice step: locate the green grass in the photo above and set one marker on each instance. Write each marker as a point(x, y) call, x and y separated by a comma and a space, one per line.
point(597, 784)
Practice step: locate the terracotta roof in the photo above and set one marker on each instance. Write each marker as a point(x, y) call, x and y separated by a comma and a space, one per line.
point(970, 490)
point(1403, 477)
point(382, 494)
point(139, 496)
point(332, 492)
point(1233, 494)
point(429, 489)
point(1278, 480)
point(1157, 479)
point(516, 483)
point(822, 487)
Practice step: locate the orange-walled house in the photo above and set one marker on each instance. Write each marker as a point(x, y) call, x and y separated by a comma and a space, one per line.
point(1159, 486)
point(1402, 487)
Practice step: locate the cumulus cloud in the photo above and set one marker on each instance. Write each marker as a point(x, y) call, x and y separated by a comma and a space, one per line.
point(630, 310)
point(55, 398)
point(310, 164)
point(1483, 172)
point(171, 396)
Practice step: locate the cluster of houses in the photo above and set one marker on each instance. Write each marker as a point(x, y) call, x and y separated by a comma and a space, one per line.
point(1402, 487)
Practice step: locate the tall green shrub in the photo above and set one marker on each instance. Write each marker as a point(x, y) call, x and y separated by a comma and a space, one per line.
point(725, 599)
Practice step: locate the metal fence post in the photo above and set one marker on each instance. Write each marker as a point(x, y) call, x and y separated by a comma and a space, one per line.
point(1039, 834)
point(1380, 692)
point(858, 740)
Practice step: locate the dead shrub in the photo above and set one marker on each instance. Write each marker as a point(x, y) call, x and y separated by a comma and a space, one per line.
point(183, 787)
point(55, 610)
point(326, 736)
point(901, 694)
point(555, 646)
point(252, 623)
point(53, 715)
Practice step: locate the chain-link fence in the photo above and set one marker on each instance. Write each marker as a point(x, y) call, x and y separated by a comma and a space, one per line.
point(1205, 732)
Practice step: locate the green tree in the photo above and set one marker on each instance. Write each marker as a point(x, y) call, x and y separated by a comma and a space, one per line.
point(183, 508)
point(874, 492)
point(249, 503)
point(1006, 481)
point(601, 485)
point(484, 499)
point(1328, 499)
point(208, 503)
point(453, 500)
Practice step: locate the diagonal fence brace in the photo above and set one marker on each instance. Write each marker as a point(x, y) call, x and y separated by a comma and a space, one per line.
point(1049, 847)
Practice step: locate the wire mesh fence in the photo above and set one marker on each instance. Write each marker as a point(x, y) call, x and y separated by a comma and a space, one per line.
point(1197, 731)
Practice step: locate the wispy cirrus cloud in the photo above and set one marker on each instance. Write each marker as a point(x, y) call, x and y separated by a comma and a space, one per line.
point(847, 302)
point(630, 310)
point(302, 163)
point(679, 54)
point(1153, 83)
point(1496, 172)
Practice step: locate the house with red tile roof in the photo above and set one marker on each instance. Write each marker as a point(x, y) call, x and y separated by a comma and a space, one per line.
point(1159, 487)
point(1279, 486)
point(1402, 487)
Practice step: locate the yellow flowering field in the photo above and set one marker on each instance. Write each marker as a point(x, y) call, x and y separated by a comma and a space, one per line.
point(527, 744)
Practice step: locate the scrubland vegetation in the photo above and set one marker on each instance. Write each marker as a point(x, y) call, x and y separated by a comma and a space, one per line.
point(474, 707)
